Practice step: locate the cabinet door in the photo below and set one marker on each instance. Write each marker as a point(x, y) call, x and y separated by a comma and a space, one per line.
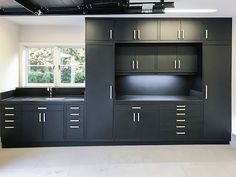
point(99, 90)
point(53, 125)
point(148, 127)
point(99, 30)
point(166, 60)
point(124, 30)
point(187, 59)
point(170, 29)
point(125, 126)
point(32, 126)
point(147, 30)
point(217, 80)
point(145, 59)
point(192, 30)
point(218, 29)
point(125, 59)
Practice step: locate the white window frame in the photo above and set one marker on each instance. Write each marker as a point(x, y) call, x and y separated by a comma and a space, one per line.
point(56, 47)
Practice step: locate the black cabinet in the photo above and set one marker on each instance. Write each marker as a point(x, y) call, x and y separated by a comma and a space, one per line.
point(181, 30)
point(45, 121)
point(217, 102)
point(10, 122)
point(99, 30)
point(134, 122)
point(181, 121)
point(134, 59)
point(136, 30)
point(99, 90)
point(182, 59)
point(218, 29)
point(74, 121)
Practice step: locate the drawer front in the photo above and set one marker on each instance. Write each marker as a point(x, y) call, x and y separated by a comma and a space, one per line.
point(42, 107)
point(136, 107)
point(74, 121)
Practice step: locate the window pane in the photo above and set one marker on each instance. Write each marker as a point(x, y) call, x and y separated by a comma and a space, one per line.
point(41, 56)
point(40, 74)
point(72, 65)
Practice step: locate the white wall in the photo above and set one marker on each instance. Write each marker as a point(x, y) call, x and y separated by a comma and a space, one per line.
point(52, 34)
point(9, 48)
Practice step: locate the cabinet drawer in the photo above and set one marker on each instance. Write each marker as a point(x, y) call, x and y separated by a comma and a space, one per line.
point(41, 107)
point(74, 132)
point(136, 107)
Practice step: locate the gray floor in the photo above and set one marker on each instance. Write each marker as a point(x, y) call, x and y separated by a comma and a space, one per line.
point(120, 161)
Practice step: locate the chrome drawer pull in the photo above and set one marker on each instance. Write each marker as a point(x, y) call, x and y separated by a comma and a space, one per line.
point(180, 133)
point(42, 108)
point(74, 114)
point(136, 107)
point(180, 120)
point(74, 127)
point(74, 120)
point(9, 115)
point(9, 108)
point(180, 114)
point(12, 127)
point(180, 109)
point(180, 126)
point(180, 106)
point(9, 121)
point(73, 108)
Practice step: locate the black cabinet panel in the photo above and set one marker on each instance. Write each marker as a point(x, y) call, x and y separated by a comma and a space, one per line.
point(99, 30)
point(147, 30)
point(170, 29)
point(53, 126)
point(218, 29)
point(217, 79)
point(125, 30)
point(192, 30)
point(99, 88)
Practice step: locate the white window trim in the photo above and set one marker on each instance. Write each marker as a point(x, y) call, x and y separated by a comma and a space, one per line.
point(23, 73)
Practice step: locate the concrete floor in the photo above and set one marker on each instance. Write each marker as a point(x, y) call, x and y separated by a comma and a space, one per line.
point(120, 161)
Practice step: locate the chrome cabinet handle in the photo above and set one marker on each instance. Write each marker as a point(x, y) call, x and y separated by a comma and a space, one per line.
point(74, 120)
point(42, 108)
point(133, 65)
point(183, 34)
point(206, 34)
point(10, 127)
point(40, 117)
point(9, 121)
point(180, 126)
point(136, 107)
point(73, 108)
point(178, 35)
point(9, 108)
point(138, 117)
point(74, 127)
point(9, 115)
point(74, 114)
point(137, 64)
point(180, 114)
point(134, 117)
point(180, 106)
point(175, 64)
point(180, 120)
point(179, 63)
point(180, 133)
point(111, 92)
point(44, 117)
point(134, 33)
point(139, 34)
point(111, 34)
point(181, 109)
point(206, 92)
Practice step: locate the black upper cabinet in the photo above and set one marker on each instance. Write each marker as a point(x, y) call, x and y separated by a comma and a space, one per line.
point(217, 103)
point(99, 90)
point(218, 29)
point(181, 30)
point(180, 59)
point(135, 30)
point(99, 30)
point(135, 59)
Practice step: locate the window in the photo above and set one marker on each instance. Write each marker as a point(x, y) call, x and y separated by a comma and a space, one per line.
point(54, 66)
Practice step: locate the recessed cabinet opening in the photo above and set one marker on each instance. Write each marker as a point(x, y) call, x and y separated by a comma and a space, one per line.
point(152, 72)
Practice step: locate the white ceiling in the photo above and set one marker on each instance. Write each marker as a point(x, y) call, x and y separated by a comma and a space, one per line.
point(224, 7)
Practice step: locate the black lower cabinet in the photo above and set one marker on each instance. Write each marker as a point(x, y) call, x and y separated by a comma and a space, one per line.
point(217, 81)
point(136, 123)
point(181, 121)
point(10, 122)
point(42, 123)
point(99, 91)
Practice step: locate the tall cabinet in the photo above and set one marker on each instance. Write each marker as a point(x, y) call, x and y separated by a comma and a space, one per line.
point(99, 91)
